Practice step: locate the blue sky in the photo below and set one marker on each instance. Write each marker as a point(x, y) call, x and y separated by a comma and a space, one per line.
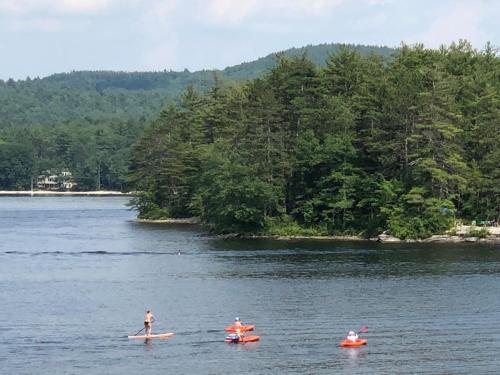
point(41, 37)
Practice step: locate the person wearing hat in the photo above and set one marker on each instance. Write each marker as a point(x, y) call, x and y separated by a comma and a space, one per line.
point(352, 336)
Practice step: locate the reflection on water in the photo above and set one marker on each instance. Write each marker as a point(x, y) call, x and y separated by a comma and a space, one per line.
point(354, 355)
point(78, 273)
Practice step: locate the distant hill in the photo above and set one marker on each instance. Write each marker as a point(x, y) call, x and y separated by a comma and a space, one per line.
point(318, 54)
point(94, 96)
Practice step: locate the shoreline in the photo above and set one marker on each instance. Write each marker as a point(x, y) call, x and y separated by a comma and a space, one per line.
point(460, 237)
point(38, 193)
point(433, 239)
point(186, 221)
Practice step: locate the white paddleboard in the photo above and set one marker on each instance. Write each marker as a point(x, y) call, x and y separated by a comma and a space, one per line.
point(158, 336)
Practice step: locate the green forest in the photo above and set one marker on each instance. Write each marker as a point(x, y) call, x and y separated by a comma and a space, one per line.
point(86, 121)
point(97, 154)
point(359, 145)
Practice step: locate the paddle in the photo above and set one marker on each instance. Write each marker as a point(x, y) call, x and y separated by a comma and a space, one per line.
point(152, 321)
point(363, 329)
point(135, 334)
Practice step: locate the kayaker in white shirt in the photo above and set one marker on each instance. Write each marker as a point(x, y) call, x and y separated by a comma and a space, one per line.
point(352, 336)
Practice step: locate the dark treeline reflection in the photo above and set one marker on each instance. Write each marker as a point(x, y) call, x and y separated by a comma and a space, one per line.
point(313, 259)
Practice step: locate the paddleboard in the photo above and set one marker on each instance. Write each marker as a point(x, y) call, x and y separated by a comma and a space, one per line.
point(147, 337)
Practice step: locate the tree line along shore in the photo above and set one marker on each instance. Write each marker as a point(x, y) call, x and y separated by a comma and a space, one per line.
point(358, 146)
point(361, 146)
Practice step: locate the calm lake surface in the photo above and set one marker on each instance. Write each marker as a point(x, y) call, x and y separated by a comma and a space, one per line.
point(76, 275)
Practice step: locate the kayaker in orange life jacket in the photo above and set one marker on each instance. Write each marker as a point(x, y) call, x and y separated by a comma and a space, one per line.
point(238, 327)
point(352, 336)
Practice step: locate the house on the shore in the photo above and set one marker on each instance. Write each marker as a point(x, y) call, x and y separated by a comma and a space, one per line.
point(67, 182)
point(55, 181)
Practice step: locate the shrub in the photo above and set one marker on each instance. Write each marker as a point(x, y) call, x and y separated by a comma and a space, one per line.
point(478, 232)
point(415, 217)
point(285, 225)
point(146, 208)
point(156, 214)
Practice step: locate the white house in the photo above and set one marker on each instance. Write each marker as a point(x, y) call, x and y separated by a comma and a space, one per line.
point(52, 181)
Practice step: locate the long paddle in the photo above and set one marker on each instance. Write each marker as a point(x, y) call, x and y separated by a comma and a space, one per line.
point(363, 329)
point(154, 320)
point(135, 334)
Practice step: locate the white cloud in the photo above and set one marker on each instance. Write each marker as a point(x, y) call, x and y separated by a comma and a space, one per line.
point(233, 12)
point(377, 2)
point(159, 24)
point(82, 6)
point(463, 21)
point(164, 10)
point(39, 24)
point(48, 15)
point(24, 7)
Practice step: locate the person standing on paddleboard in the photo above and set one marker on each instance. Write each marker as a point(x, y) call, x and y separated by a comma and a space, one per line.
point(148, 322)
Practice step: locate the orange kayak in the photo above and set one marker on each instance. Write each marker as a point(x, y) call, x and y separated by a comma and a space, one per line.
point(350, 344)
point(245, 328)
point(231, 339)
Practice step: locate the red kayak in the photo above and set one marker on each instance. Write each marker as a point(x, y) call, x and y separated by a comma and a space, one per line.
point(232, 340)
point(245, 328)
point(352, 344)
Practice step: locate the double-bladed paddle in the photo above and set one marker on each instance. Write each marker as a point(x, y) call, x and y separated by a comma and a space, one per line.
point(363, 329)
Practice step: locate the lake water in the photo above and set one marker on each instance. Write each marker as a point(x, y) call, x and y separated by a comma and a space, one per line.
point(76, 275)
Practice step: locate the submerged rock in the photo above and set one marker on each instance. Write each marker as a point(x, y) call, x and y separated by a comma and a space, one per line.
point(471, 239)
point(384, 237)
point(188, 221)
point(443, 238)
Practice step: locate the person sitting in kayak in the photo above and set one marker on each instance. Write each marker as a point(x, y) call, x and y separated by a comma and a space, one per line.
point(352, 336)
point(238, 327)
point(148, 322)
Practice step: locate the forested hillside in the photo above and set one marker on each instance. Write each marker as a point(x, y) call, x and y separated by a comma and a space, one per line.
point(317, 54)
point(137, 96)
point(86, 121)
point(358, 146)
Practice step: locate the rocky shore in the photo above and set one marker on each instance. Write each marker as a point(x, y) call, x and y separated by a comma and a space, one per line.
point(187, 221)
point(293, 238)
point(441, 238)
point(460, 234)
